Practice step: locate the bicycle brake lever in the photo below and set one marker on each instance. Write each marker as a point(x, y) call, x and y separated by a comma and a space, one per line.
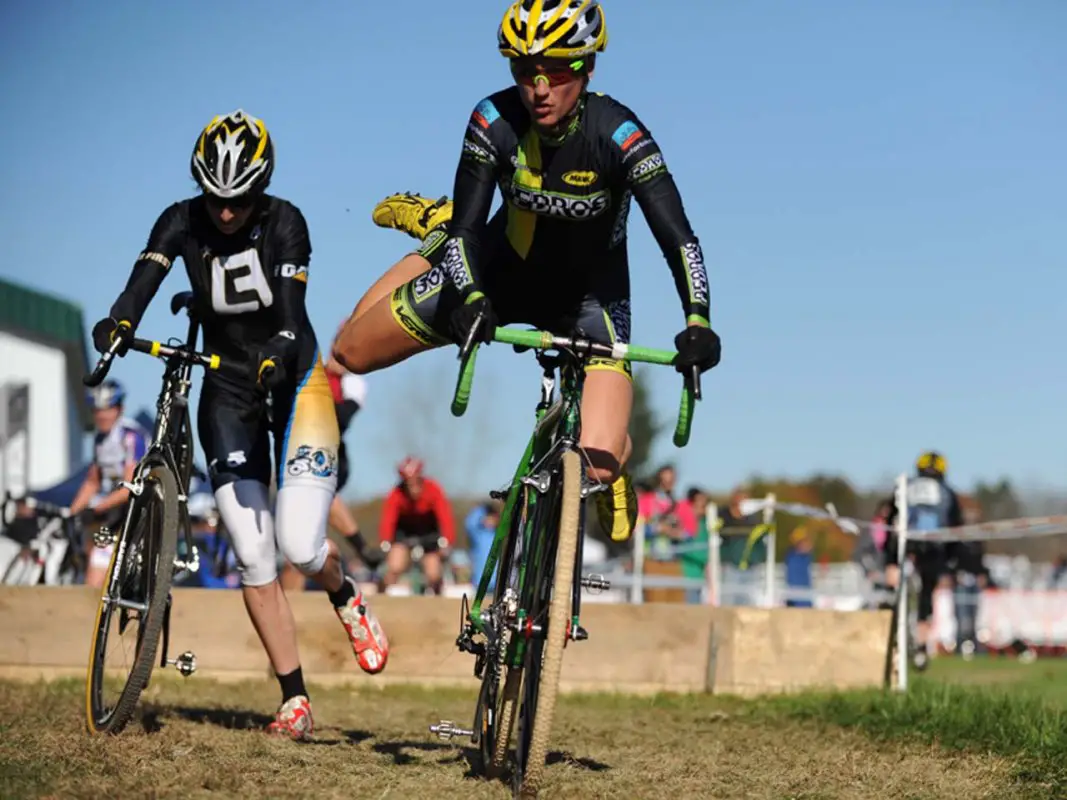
point(694, 381)
point(468, 345)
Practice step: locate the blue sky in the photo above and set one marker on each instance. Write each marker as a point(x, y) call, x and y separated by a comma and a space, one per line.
point(878, 188)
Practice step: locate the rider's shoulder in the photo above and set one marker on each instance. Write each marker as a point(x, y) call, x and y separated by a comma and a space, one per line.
point(128, 425)
point(503, 107)
point(284, 214)
point(281, 208)
point(175, 217)
point(611, 118)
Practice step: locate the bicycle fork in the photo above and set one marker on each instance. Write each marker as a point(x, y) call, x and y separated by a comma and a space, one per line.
point(508, 621)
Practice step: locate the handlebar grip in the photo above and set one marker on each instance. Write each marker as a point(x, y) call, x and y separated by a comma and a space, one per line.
point(463, 386)
point(685, 416)
point(124, 335)
point(96, 377)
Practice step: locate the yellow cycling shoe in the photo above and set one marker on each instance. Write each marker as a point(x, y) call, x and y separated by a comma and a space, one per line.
point(616, 509)
point(412, 214)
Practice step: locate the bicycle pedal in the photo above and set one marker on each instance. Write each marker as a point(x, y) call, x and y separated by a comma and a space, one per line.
point(575, 633)
point(185, 663)
point(104, 537)
point(446, 730)
point(596, 583)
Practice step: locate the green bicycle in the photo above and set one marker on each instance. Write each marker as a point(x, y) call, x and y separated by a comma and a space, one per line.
point(518, 638)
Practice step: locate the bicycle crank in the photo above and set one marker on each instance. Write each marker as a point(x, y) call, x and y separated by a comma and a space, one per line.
point(185, 663)
point(446, 730)
point(103, 537)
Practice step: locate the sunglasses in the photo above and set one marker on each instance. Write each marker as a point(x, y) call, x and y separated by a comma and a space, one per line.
point(556, 74)
point(239, 203)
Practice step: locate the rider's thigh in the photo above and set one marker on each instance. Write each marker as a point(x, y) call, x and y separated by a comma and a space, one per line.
point(431, 567)
point(410, 266)
point(606, 404)
point(412, 318)
point(398, 559)
point(375, 341)
point(306, 439)
point(245, 510)
point(233, 432)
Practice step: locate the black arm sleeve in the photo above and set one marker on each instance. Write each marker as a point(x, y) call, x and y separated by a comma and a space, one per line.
point(152, 265)
point(290, 270)
point(472, 197)
point(654, 189)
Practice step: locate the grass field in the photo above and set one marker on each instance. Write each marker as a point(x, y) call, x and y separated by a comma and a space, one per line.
point(979, 730)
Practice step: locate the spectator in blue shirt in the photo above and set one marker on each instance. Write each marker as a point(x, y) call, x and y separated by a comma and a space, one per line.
point(798, 566)
point(481, 525)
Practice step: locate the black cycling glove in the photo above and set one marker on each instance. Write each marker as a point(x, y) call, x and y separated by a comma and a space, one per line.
point(697, 347)
point(107, 330)
point(271, 362)
point(465, 317)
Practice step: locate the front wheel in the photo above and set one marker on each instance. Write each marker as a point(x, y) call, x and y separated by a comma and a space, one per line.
point(133, 604)
point(539, 703)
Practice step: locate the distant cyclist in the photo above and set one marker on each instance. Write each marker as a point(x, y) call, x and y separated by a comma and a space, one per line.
point(118, 445)
point(416, 510)
point(247, 253)
point(932, 504)
point(567, 163)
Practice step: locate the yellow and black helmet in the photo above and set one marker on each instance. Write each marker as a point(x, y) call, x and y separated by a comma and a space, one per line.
point(233, 156)
point(931, 464)
point(553, 29)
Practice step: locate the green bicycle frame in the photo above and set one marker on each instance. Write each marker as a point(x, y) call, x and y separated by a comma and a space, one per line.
point(540, 442)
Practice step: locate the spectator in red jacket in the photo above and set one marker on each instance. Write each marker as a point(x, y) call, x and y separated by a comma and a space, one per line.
point(416, 511)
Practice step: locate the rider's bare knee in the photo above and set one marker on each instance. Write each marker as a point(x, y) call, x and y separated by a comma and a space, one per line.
point(347, 351)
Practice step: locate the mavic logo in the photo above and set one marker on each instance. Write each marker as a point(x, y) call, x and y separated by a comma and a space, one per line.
point(579, 177)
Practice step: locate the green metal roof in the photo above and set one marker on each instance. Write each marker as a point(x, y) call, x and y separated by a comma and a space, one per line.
point(51, 321)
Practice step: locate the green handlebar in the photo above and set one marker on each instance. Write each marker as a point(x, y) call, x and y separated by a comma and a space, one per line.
point(543, 340)
point(462, 395)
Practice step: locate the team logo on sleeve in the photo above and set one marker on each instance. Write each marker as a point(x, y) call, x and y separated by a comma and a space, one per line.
point(698, 276)
point(485, 113)
point(626, 135)
point(455, 265)
point(646, 168)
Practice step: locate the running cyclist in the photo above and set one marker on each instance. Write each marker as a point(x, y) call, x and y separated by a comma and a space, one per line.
point(417, 509)
point(567, 162)
point(247, 254)
point(117, 447)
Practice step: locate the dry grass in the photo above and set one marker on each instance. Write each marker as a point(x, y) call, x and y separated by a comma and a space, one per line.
point(200, 739)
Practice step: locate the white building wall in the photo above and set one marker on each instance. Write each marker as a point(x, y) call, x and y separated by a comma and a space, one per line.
point(44, 369)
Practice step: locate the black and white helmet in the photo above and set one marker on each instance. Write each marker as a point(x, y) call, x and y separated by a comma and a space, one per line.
point(233, 156)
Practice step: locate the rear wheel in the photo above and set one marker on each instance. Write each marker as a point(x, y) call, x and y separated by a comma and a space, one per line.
point(133, 604)
point(553, 585)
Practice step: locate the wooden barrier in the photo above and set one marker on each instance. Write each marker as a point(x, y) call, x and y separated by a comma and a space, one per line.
point(45, 631)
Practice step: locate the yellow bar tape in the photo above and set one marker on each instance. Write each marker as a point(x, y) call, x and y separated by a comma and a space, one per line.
point(155, 348)
point(757, 533)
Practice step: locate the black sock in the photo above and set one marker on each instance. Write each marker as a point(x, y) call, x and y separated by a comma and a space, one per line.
point(292, 684)
point(341, 597)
